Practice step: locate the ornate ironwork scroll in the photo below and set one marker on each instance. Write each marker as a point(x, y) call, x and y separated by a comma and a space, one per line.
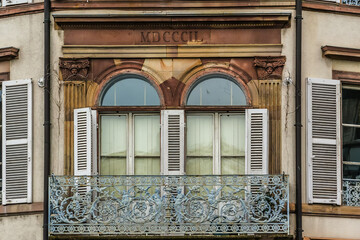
point(351, 2)
point(169, 204)
point(351, 192)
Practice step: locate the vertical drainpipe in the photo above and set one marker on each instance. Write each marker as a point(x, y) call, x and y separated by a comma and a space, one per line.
point(46, 114)
point(298, 119)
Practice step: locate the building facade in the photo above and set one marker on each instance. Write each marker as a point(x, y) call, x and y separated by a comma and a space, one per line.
point(177, 119)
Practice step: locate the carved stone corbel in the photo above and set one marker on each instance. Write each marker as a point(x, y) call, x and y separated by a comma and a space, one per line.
point(269, 67)
point(73, 69)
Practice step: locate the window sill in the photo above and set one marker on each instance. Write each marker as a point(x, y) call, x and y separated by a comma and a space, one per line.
point(324, 210)
point(17, 209)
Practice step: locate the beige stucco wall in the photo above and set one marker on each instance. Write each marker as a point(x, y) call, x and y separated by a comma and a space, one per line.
point(330, 227)
point(26, 33)
point(320, 29)
point(23, 227)
point(288, 112)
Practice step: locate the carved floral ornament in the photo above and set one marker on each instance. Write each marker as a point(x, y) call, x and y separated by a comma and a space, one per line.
point(74, 69)
point(269, 67)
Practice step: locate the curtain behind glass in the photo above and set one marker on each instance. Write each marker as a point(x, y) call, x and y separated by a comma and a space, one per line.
point(199, 148)
point(147, 144)
point(232, 143)
point(113, 146)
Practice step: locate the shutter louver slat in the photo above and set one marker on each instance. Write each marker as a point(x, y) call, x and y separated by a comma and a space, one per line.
point(17, 139)
point(257, 141)
point(173, 141)
point(323, 126)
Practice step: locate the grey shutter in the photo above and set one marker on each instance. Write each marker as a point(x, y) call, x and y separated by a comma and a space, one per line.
point(17, 141)
point(172, 142)
point(323, 141)
point(257, 150)
point(84, 141)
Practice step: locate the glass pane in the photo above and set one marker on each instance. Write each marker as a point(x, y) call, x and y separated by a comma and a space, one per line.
point(147, 166)
point(232, 143)
point(199, 144)
point(113, 147)
point(199, 166)
point(216, 91)
point(351, 144)
point(112, 166)
point(147, 144)
point(130, 92)
point(351, 171)
point(351, 106)
point(233, 165)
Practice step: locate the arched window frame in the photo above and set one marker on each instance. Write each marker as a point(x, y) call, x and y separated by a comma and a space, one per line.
point(113, 78)
point(195, 80)
point(129, 112)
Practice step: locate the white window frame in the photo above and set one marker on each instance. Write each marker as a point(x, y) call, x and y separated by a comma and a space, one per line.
point(216, 153)
point(130, 139)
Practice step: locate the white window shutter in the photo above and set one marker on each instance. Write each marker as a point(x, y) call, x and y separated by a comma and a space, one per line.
point(257, 141)
point(14, 2)
point(323, 141)
point(17, 141)
point(172, 142)
point(84, 141)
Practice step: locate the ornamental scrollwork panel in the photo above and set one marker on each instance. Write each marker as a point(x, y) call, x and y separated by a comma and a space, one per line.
point(169, 204)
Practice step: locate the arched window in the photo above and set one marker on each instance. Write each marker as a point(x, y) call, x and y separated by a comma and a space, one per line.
point(129, 90)
point(129, 141)
point(215, 140)
point(216, 91)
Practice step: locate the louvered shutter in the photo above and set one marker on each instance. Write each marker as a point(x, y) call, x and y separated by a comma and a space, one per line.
point(84, 141)
point(172, 142)
point(257, 153)
point(17, 141)
point(13, 2)
point(323, 141)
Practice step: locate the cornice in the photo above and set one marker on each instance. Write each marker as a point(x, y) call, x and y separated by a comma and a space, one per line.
point(175, 19)
point(341, 53)
point(8, 53)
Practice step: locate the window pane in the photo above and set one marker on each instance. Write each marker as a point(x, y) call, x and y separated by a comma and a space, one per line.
point(113, 145)
point(233, 165)
point(147, 144)
point(232, 143)
point(199, 144)
point(130, 92)
point(199, 165)
point(351, 106)
point(216, 91)
point(351, 144)
point(351, 171)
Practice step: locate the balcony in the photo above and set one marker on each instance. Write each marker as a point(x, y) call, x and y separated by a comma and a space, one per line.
point(169, 205)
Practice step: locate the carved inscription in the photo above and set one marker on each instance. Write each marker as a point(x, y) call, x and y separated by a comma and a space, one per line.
point(170, 36)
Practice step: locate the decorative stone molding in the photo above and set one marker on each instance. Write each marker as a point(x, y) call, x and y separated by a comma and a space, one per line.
point(269, 67)
point(351, 54)
point(172, 89)
point(8, 53)
point(163, 51)
point(74, 69)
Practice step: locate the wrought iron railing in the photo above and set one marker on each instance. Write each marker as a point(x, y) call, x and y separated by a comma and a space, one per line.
point(351, 2)
point(169, 204)
point(351, 192)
